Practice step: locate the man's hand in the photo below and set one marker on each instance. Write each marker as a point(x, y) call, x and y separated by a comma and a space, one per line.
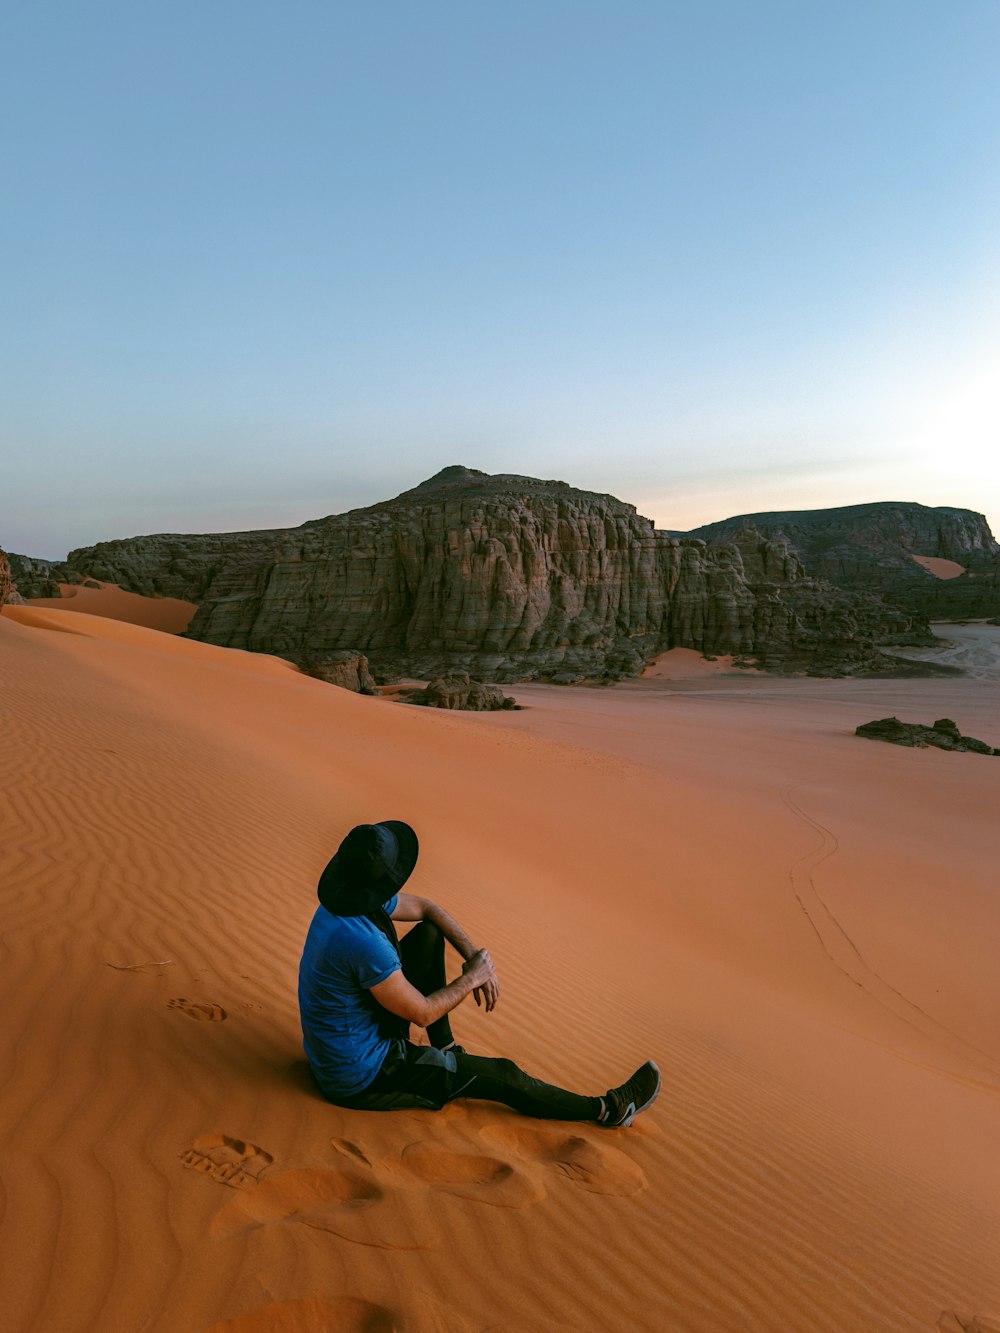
point(481, 970)
point(411, 908)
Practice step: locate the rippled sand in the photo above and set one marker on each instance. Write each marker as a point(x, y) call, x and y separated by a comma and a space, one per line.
point(798, 925)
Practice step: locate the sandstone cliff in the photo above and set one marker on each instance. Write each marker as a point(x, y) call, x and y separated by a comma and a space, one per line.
point(6, 585)
point(871, 547)
point(504, 577)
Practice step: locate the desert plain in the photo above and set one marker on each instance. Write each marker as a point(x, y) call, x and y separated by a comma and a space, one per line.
point(704, 866)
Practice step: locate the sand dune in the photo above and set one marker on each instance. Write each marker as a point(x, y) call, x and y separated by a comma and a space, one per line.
point(939, 567)
point(800, 927)
point(107, 599)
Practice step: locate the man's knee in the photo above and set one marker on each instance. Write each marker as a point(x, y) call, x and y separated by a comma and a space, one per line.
point(498, 1067)
point(422, 949)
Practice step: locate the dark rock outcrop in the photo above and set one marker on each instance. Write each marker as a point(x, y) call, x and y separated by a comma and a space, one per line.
point(871, 548)
point(41, 578)
point(458, 691)
point(8, 592)
point(347, 669)
point(942, 735)
point(506, 578)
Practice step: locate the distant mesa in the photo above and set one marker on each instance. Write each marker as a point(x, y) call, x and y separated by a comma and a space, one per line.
point(508, 578)
point(936, 563)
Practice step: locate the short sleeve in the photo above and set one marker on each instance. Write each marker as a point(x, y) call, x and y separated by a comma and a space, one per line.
point(390, 906)
point(374, 960)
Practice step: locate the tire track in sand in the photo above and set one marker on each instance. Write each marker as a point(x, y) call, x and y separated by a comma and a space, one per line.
point(845, 955)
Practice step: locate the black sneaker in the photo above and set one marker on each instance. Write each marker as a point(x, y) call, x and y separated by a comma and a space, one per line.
point(623, 1104)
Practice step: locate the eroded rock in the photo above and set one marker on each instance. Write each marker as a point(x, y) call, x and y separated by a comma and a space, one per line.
point(941, 735)
point(347, 669)
point(41, 578)
point(458, 691)
point(8, 590)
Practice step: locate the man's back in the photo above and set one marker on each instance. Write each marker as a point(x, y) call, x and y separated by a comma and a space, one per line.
point(343, 957)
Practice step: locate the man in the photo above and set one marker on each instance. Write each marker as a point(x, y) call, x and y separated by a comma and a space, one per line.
point(360, 988)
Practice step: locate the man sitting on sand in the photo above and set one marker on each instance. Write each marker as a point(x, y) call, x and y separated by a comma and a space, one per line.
point(360, 988)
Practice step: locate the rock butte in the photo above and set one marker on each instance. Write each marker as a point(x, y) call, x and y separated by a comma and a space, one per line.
point(507, 578)
point(877, 548)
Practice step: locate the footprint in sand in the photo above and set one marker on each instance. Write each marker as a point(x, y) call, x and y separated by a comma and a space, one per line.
point(950, 1322)
point(346, 1315)
point(229, 1161)
point(204, 1013)
point(472, 1176)
point(351, 1150)
point(595, 1166)
point(347, 1202)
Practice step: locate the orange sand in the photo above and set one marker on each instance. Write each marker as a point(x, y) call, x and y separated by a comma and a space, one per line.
point(941, 569)
point(800, 926)
point(685, 663)
point(162, 613)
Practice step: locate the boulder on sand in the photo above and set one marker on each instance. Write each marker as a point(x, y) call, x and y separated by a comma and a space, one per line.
point(347, 669)
point(458, 691)
point(943, 735)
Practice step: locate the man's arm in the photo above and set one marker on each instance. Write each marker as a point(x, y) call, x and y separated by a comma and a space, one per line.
point(397, 995)
point(411, 908)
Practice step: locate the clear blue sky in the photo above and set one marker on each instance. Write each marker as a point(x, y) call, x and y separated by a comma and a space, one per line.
point(265, 262)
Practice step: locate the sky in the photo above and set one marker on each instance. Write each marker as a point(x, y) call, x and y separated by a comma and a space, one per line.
point(266, 262)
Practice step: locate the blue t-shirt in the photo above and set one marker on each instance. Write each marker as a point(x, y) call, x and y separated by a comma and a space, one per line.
point(344, 956)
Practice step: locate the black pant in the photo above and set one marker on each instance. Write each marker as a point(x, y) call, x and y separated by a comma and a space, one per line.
point(425, 1076)
point(421, 953)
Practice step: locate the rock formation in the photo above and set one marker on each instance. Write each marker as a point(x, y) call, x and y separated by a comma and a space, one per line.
point(347, 669)
point(871, 548)
point(41, 578)
point(6, 585)
point(458, 691)
point(9, 591)
point(506, 578)
point(942, 735)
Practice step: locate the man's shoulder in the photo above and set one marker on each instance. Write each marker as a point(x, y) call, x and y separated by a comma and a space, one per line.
point(344, 936)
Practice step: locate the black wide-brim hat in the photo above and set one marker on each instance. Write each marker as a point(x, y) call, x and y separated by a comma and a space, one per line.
point(371, 865)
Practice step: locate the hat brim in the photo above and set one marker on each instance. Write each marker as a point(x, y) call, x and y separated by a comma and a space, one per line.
point(346, 894)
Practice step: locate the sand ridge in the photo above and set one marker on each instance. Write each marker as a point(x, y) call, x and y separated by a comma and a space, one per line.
point(821, 1157)
point(96, 598)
